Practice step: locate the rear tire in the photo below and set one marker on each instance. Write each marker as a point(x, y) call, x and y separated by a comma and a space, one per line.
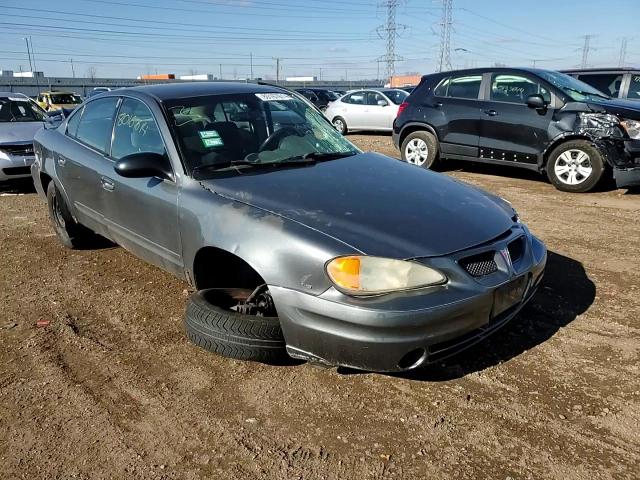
point(246, 337)
point(340, 124)
point(420, 148)
point(575, 166)
point(70, 233)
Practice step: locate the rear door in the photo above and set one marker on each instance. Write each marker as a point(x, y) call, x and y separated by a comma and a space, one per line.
point(142, 213)
point(353, 109)
point(510, 130)
point(80, 159)
point(456, 99)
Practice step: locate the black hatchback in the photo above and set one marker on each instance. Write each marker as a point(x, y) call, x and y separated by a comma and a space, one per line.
point(535, 119)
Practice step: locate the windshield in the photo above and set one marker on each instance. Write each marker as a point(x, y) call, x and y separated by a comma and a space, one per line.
point(396, 96)
point(65, 98)
point(574, 88)
point(19, 109)
point(252, 129)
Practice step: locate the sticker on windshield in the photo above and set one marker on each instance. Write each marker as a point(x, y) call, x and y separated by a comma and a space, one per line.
point(273, 97)
point(210, 138)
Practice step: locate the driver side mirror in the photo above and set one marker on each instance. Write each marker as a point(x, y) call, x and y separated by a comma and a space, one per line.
point(146, 164)
point(536, 101)
point(382, 103)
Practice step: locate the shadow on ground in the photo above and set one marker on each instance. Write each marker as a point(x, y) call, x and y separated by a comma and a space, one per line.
point(17, 187)
point(565, 293)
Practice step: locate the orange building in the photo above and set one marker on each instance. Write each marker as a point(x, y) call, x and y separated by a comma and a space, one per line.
point(398, 81)
point(158, 76)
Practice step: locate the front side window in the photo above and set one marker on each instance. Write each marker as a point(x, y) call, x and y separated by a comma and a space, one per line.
point(96, 123)
point(73, 122)
point(459, 87)
point(257, 129)
point(20, 109)
point(608, 83)
point(135, 131)
point(634, 87)
point(516, 89)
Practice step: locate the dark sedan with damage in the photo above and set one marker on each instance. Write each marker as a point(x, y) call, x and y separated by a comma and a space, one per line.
point(294, 239)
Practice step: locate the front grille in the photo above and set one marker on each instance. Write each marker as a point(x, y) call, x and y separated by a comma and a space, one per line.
point(516, 249)
point(18, 149)
point(16, 171)
point(480, 265)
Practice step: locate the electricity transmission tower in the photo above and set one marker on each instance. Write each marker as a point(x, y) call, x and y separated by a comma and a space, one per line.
point(585, 50)
point(446, 23)
point(623, 52)
point(389, 31)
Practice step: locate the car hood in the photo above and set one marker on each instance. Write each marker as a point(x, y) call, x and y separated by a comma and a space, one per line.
point(376, 204)
point(12, 132)
point(625, 108)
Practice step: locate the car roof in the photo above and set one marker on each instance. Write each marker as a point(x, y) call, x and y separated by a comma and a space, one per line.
point(171, 91)
point(594, 70)
point(480, 71)
point(12, 94)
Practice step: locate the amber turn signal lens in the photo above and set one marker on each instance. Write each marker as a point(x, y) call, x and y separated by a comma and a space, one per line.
point(345, 272)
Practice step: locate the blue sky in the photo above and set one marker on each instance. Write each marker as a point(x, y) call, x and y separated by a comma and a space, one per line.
point(330, 38)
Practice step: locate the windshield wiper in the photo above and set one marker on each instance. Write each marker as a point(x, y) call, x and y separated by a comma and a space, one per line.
point(320, 157)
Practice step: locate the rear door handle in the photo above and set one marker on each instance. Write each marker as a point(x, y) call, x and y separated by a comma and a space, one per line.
point(437, 104)
point(107, 184)
point(491, 113)
point(61, 161)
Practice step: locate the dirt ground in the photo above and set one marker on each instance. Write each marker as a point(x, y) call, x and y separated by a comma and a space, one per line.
point(112, 389)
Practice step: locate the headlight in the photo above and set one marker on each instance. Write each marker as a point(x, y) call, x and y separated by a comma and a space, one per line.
point(632, 127)
point(363, 275)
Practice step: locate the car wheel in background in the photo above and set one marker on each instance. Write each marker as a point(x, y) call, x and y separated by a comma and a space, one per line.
point(420, 148)
point(210, 324)
point(70, 233)
point(575, 166)
point(340, 125)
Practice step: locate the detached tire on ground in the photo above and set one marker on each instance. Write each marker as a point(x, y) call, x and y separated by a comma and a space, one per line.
point(70, 233)
point(211, 325)
point(420, 148)
point(575, 166)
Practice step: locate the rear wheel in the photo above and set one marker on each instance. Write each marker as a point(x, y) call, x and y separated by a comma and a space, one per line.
point(70, 233)
point(421, 149)
point(340, 125)
point(575, 166)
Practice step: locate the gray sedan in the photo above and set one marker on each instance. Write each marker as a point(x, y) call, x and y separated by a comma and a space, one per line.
point(20, 119)
point(294, 240)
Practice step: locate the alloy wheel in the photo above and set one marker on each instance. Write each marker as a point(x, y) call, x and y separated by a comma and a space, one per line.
point(339, 125)
point(573, 167)
point(417, 152)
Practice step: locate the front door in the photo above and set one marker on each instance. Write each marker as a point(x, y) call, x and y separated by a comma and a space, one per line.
point(142, 213)
point(378, 117)
point(510, 131)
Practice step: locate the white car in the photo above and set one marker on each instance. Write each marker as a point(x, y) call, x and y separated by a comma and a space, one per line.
point(366, 110)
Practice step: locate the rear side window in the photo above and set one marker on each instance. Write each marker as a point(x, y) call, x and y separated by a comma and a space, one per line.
point(634, 87)
point(135, 131)
point(74, 121)
point(96, 123)
point(516, 89)
point(608, 83)
point(459, 87)
point(357, 98)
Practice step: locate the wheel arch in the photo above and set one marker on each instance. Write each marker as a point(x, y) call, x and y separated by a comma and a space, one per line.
point(411, 127)
point(559, 141)
point(215, 267)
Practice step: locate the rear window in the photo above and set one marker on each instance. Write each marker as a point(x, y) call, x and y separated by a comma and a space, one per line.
point(608, 83)
point(459, 87)
point(96, 124)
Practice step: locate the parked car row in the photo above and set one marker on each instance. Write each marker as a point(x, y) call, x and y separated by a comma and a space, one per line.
point(296, 241)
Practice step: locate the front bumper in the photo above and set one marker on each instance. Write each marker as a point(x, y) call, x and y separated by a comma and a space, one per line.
point(409, 329)
point(14, 167)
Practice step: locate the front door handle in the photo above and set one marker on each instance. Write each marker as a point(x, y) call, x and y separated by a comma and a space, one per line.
point(437, 104)
point(61, 161)
point(107, 184)
point(491, 113)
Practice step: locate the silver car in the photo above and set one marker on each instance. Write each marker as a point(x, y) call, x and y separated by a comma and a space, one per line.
point(366, 110)
point(20, 119)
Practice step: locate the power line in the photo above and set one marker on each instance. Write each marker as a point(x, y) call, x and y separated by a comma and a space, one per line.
point(445, 35)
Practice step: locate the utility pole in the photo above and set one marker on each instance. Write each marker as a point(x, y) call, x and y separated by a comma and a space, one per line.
point(28, 54)
point(277, 69)
point(585, 50)
point(623, 52)
point(389, 32)
point(220, 71)
point(73, 72)
point(251, 59)
point(320, 73)
point(446, 23)
point(33, 54)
